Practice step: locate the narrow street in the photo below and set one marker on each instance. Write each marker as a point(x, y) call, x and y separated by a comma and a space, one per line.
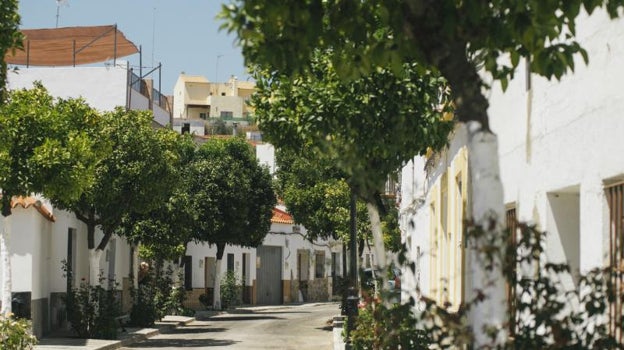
point(276, 327)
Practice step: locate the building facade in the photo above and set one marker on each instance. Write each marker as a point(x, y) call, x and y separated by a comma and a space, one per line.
point(197, 99)
point(559, 143)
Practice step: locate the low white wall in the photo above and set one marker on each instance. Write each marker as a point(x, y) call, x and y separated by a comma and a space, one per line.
point(104, 88)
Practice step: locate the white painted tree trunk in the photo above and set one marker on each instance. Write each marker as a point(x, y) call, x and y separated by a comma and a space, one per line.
point(378, 242)
point(217, 286)
point(5, 234)
point(94, 266)
point(487, 213)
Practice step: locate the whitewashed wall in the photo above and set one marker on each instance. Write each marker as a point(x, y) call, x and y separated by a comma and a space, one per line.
point(560, 142)
point(265, 153)
point(414, 214)
point(104, 88)
point(564, 139)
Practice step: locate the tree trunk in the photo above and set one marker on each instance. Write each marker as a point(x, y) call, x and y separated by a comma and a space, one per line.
point(94, 266)
point(217, 283)
point(487, 209)
point(5, 255)
point(486, 275)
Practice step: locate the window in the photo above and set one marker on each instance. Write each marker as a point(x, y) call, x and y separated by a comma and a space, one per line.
point(186, 128)
point(71, 257)
point(203, 115)
point(319, 271)
point(230, 262)
point(227, 115)
point(512, 226)
point(188, 272)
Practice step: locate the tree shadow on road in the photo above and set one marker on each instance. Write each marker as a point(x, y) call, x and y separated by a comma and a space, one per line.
point(182, 343)
point(244, 318)
point(194, 330)
point(280, 312)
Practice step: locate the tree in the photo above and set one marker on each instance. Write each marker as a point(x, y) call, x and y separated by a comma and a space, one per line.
point(10, 38)
point(133, 178)
point(165, 230)
point(369, 126)
point(317, 195)
point(233, 197)
point(44, 149)
point(458, 39)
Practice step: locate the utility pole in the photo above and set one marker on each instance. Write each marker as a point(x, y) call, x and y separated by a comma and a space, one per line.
point(217, 69)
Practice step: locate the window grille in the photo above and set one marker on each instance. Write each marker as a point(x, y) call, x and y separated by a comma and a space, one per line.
point(615, 199)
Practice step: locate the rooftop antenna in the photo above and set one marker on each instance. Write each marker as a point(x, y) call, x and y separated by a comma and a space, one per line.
point(58, 9)
point(153, 33)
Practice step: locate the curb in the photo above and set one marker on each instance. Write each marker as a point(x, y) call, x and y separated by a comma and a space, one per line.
point(131, 338)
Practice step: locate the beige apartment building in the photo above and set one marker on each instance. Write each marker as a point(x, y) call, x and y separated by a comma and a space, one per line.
point(196, 99)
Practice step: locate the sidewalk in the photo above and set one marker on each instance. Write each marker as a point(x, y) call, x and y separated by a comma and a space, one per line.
point(132, 335)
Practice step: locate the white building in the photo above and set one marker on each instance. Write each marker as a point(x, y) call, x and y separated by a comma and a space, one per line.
point(42, 239)
point(286, 268)
point(104, 88)
point(559, 146)
point(43, 236)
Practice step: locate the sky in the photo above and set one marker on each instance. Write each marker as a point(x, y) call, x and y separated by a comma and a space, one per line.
point(183, 35)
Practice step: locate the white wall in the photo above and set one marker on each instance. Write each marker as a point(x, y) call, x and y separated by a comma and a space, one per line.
point(103, 88)
point(138, 101)
point(281, 235)
point(26, 250)
point(220, 104)
point(564, 134)
point(414, 219)
point(265, 153)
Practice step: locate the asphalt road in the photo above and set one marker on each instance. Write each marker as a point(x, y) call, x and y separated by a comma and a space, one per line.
point(306, 326)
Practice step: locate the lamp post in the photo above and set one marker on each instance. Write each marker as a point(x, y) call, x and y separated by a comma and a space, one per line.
point(352, 293)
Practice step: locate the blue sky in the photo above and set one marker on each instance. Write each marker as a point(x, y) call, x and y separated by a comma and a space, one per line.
point(182, 34)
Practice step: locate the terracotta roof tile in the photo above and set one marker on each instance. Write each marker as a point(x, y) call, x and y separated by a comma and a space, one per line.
point(281, 217)
point(27, 202)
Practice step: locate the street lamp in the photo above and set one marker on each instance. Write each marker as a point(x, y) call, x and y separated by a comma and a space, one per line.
point(352, 293)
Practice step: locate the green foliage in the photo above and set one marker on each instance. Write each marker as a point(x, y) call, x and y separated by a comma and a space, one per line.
point(317, 195)
point(92, 310)
point(373, 33)
point(555, 316)
point(135, 176)
point(369, 126)
point(157, 296)
point(46, 146)
point(382, 327)
point(15, 333)
point(218, 127)
point(164, 231)
point(455, 38)
point(232, 194)
point(10, 39)
point(144, 313)
point(231, 290)
point(548, 313)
